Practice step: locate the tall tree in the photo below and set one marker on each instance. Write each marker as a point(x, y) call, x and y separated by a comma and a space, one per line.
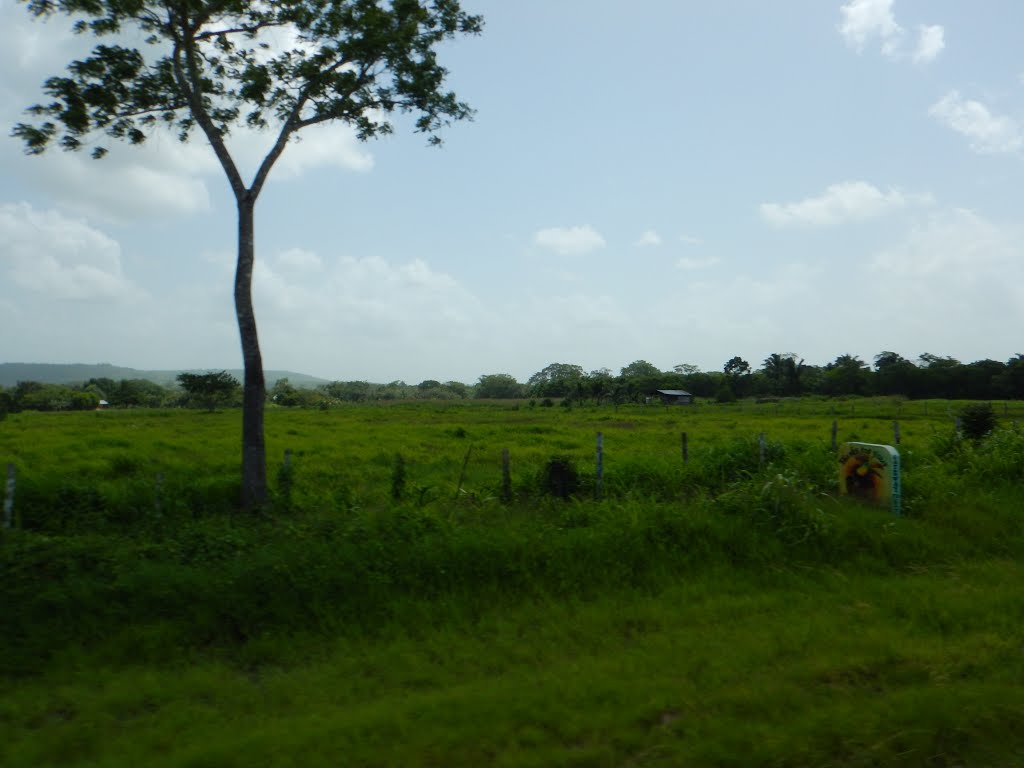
point(211, 64)
point(737, 371)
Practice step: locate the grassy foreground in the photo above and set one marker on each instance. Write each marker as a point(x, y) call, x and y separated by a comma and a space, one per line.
point(721, 613)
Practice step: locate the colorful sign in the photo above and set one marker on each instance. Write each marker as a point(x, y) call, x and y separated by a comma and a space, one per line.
point(870, 472)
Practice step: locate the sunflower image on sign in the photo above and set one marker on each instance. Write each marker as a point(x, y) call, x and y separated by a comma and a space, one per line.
point(870, 472)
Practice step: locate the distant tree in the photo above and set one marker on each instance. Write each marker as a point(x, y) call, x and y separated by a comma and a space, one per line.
point(736, 366)
point(139, 392)
point(348, 391)
point(894, 375)
point(208, 390)
point(941, 376)
point(395, 390)
point(105, 387)
point(599, 384)
point(218, 64)
point(555, 380)
point(457, 388)
point(846, 375)
point(703, 383)
point(498, 386)
point(428, 384)
point(283, 393)
point(1011, 380)
point(982, 379)
point(640, 369)
point(783, 373)
point(738, 372)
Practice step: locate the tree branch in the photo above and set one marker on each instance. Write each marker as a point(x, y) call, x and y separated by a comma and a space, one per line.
point(190, 85)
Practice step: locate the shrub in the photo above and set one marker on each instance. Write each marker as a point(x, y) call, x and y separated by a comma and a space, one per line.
point(977, 420)
point(560, 477)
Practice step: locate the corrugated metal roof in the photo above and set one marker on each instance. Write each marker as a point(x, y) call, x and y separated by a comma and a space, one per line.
point(674, 392)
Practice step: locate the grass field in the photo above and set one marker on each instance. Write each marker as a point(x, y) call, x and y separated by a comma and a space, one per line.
point(400, 612)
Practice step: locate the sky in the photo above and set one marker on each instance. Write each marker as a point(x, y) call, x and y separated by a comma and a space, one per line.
point(666, 180)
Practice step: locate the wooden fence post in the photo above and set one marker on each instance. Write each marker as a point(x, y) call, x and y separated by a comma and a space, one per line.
point(506, 476)
point(9, 496)
point(896, 431)
point(761, 448)
point(835, 429)
point(599, 475)
point(686, 449)
point(462, 474)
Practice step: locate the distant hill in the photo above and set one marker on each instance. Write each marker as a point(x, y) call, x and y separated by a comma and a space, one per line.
point(77, 373)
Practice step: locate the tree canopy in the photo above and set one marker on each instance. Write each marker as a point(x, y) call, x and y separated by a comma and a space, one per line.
point(208, 390)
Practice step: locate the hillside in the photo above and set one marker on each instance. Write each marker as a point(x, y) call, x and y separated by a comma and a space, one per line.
point(75, 373)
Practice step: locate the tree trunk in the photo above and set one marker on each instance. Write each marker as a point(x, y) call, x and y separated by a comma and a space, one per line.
point(254, 452)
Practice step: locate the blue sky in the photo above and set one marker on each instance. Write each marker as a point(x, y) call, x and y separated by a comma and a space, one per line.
point(673, 181)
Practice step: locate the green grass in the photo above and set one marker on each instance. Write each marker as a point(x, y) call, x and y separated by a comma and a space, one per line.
point(726, 669)
point(717, 613)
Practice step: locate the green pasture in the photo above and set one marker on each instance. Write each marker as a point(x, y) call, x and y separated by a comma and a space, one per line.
point(721, 611)
point(347, 455)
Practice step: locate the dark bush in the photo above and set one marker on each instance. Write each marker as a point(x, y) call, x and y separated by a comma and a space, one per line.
point(977, 420)
point(560, 477)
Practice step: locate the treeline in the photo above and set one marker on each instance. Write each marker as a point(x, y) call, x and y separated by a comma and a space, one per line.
point(124, 393)
point(779, 375)
point(211, 390)
point(192, 391)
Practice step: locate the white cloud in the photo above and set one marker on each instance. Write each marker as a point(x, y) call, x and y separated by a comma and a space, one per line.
point(569, 241)
point(987, 133)
point(649, 238)
point(930, 42)
point(318, 146)
point(955, 246)
point(955, 272)
point(61, 258)
point(690, 240)
point(846, 201)
point(300, 259)
point(689, 263)
point(865, 20)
